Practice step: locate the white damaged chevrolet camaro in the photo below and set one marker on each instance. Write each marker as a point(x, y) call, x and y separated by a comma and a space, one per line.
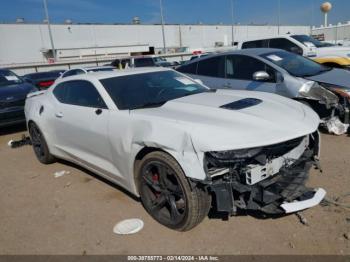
point(180, 146)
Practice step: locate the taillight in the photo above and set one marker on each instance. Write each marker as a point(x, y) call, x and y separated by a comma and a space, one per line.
point(46, 83)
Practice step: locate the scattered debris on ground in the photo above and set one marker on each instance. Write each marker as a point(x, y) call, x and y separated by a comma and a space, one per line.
point(128, 226)
point(335, 126)
point(337, 201)
point(302, 218)
point(25, 140)
point(61, 173)
point(291, 245)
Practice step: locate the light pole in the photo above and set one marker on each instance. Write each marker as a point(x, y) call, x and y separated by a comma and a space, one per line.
point(232, 21)
point(162, 19)
point(50, 33)
point(279, 16)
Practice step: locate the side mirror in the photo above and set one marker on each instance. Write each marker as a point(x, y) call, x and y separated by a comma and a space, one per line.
point(199, 81)
point(261, 76)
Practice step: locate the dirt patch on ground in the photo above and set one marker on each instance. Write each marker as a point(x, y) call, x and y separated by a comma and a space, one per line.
point(75, 214)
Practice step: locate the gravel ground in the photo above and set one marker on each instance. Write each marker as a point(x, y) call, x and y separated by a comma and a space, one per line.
point(75, 213)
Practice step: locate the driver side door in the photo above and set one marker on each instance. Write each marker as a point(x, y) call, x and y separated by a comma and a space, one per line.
point(240, 70)
point(81, 125)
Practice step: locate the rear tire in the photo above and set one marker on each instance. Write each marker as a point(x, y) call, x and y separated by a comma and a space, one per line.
point(39, 144)
point(167, 195)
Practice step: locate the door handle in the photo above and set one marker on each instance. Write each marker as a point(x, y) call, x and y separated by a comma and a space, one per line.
point(59, 114)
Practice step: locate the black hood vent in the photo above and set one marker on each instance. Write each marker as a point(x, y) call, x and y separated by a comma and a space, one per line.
point(243, 103)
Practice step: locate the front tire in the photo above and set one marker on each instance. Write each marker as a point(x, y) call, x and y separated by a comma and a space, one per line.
point(167, 195)
point(39, 144)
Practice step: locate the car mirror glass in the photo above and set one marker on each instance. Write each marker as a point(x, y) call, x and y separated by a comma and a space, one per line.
point(261, 76)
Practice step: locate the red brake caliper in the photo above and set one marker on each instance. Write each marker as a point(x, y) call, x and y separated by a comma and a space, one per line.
point(155, 178)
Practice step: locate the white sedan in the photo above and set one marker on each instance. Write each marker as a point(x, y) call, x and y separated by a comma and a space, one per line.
point(175, 143)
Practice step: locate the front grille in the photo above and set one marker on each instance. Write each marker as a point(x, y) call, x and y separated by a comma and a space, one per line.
point(267, 152)
point(280, 149)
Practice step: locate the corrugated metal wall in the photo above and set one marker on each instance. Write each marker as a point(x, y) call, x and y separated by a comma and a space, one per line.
point(21, 43)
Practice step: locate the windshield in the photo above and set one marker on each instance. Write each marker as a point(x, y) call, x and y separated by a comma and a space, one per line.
point(305, 38)
point(296, 65)
point(9, 78)
point(149, 89)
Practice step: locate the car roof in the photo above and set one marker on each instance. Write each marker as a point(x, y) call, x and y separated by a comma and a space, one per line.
point(248, 51)
point(91, 68)
point(44, 73)
point(115, 73)
point(267, 38)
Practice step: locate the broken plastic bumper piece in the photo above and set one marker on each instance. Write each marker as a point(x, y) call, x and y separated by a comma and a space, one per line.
point(296, 206)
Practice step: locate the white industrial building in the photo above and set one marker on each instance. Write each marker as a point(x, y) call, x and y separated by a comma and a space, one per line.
point(30, 43)
point(339, 33)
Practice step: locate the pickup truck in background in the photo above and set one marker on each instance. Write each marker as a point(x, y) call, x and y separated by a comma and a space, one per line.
point(324, 53)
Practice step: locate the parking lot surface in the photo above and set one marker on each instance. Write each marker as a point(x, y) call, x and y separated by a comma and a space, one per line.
point(76, 213)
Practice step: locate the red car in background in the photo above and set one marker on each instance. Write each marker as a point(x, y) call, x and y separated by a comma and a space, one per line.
point(43, 80)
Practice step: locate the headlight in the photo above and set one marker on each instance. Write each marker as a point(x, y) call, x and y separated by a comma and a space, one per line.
point(235, 154)
point(306, 87)
point(313, 90)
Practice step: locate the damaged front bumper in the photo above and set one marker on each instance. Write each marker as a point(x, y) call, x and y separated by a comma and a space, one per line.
point(295, 206)
point(331, 103)
point(273, 186)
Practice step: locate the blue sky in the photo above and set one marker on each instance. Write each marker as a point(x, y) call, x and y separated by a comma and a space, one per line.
point(294, 12)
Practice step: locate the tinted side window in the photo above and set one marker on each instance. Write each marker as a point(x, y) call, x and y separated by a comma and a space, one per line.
point(285, 44)
point(59, 92)
point(141, 62)
point(253, 44)
point(243, 67)
point(188, 69)
point(214, 66)
point(82, 93)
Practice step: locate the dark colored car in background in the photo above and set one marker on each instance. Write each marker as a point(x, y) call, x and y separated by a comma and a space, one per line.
point(13, 93)
point(142, 61)
point(43, 80)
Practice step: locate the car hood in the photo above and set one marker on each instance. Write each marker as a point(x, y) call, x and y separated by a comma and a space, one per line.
point(273, 120)
point(15, 92)
point(338, 77)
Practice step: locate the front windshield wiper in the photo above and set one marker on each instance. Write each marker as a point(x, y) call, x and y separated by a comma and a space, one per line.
point(148, 105)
